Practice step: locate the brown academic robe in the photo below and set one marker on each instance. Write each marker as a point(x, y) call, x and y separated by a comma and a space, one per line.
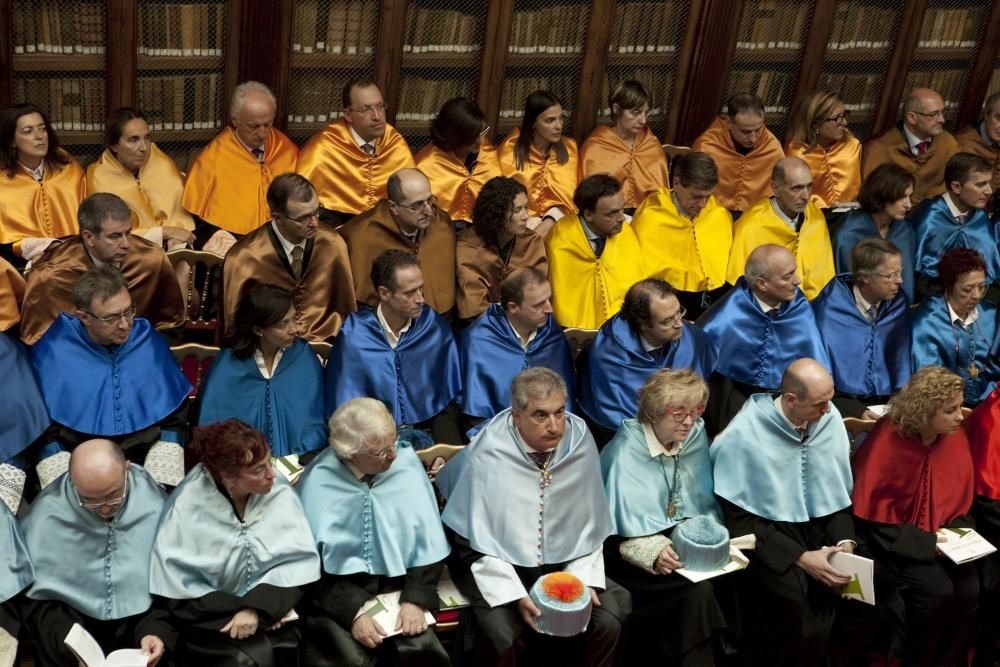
point(971, 141)
point(455, 188)
point(373, 232)
point(928, 169)
point(743, 179)
point(323, 296)
point(480, 270)
point(11, 295)
point(151, 280)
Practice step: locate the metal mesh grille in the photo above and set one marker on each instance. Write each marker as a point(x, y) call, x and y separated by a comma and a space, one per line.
point(861, 41)
point(441, 55)
point(769, 47)
point(544, 53)
point(58, 64)
point(645, 40)
point(332, 41)
point(946, 51)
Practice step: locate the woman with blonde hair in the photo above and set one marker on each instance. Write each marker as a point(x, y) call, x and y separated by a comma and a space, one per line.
point(817, 133)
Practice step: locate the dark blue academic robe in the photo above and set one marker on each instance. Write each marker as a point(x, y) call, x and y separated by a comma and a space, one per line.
point(858, 226)
point(937, 232)
point(618, 365)
point(24, 416)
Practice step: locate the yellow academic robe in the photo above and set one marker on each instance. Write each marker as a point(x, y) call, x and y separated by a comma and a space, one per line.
point(455, 188)
point(642, 169)
point(227, 187)
point(549, 183)
point(836, 172)
point(691, 255)
point(743, 179)
point(30, 209)
point(586, 291)
point(811, 246)
point(347, 179)
point(154, 196)
point(11, 295)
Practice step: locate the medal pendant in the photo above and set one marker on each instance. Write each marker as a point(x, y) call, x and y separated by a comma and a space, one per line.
point(546, 479)
point(973, 371)
point(671, 509)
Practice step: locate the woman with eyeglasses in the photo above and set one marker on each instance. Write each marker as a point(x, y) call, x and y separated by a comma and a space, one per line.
point(232, 553)
point(540, 158)
point(627, 149)
point(817, 133)
point(460, 158)
point(268, 376)
point(957, 329)
point(657, 473)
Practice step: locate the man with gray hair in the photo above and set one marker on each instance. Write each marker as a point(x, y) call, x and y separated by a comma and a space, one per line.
point(525, 499)
point(105, 240)
point(226, 186)
point(984, 140)
point(377, 526)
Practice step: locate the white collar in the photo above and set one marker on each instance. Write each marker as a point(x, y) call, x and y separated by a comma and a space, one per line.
point(361, 142)
point(287, 245)
point(781, 214)
point(677, 205)
point(781, 411)
point(588, 232)
point(392, 337)
point(968, 321)
point(763, 306)
point(656, 448)
point(251, 149)
point(358, 475)
point(524, 343)
point(646, 345)
point(38, 173)
point(258, 357)
point(863, 305)
point(950, 201)
point(912, 139)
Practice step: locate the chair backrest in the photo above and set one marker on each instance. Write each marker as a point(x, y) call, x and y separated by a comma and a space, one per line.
point(855, 428)
point(578, 339)
point(428, 455)
point(203, 295)
point(194, 360)
point(673, 152)
point(321, 348)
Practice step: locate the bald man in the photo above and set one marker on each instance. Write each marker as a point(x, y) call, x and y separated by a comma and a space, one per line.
point(407, 219)
point(226, 186)
point(782, 473)
point(787, 219)
point(919, 144)
point(89, 535)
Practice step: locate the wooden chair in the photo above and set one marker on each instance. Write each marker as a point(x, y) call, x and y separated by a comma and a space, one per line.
point(428, 455)
point(322, 349)
point(855, 427)
point(673, 152)
point(579, 339)
point(194, 360)
point(202, 306)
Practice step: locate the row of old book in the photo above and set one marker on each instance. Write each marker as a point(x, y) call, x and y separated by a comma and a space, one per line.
point(773, 24)
point(647, 27)
point(517, 89)
point(656, 81)
point(52, 27)
point(950, 83)
point(174, 29)
point(775, 88)
point(182, 102)
point(951, 28)
point(557, 29)
point(73, 104)
point(437, 30)
point(345, 27)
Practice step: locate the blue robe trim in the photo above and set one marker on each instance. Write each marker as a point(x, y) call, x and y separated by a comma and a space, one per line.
point(638, 485)
point(16, 572)
point(869, 359)
point(755, 349)
point(858, 226)
point(287, 408)
point(761, 465)
point(618, 365)
point(107, 391)
point(491, 357)
point(384, 529)
point(24, 416)
point(415, 381)
point(937, 232)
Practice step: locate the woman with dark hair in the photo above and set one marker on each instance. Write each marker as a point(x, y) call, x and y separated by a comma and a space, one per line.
point(232, 552)
point(627, 149)
point(268, 376)
point(460, 157)
point(133, 168)
point(496, 244)
point(817, 133)
point(957, 329)
point(543, 160)
point(40, 188)
point(885, 203)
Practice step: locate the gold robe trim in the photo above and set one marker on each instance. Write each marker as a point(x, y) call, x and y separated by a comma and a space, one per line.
point(548, 182)
point(47, 209)
point(480, 270)
point(836, 172)
point(743, 179)
point(453, 185)
point(641, 169)
point(928, 169)
point(11, 295)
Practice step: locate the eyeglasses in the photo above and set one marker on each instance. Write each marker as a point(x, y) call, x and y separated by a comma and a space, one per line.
point(890, 276)
point(839, 118)
point(416, 207)
point(383, 455)
point(931, 114)
point(680, 415)
point(113, 503)
point(676, 319)
point(372, 109)
point(308, 217)
point(126, 314)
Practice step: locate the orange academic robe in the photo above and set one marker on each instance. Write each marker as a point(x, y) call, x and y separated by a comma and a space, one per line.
point(480, 270)
point(323, 296)
point(11, 295)
point(836, 172)
point(642, 169)
point(227, 187)
point(46, 209)
point(971, 141)
point(455, 188)
point(927, 169)
point(373, 232)
point(151, 280)
point(549, 183)
point(347, 179)
point(743, 179)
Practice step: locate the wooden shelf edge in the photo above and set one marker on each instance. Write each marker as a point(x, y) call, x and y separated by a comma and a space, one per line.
point(52, 62)
point(641, 59)
point(428, 60)
point(180, 62)
point(331, 61)
point(743, 56)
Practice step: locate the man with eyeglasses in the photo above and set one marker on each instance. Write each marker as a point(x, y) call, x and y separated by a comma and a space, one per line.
point(919, 144)
point(226, 183)
point(526, 499)
point(105, 239)
point(647, 334)
point(408, 220)
point(350, 159)
point(89, 536)
point(863, 317)
point(106, 373)
point(297, 253)
point(783, 473)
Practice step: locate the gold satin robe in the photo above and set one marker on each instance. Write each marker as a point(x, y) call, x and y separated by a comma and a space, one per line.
point(11, 295)
point(691, 255)
point(480, 270)
point(226, 185)
point(836, 172)
point(347, 179)
point(927, 169)
point(743, 179)
point(46, 209)
point(455, 188)
point(642, 169)
point(549, 183)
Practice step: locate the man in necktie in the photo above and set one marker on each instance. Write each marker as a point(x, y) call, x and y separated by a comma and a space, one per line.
point(983, 139)
point(294, 251)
